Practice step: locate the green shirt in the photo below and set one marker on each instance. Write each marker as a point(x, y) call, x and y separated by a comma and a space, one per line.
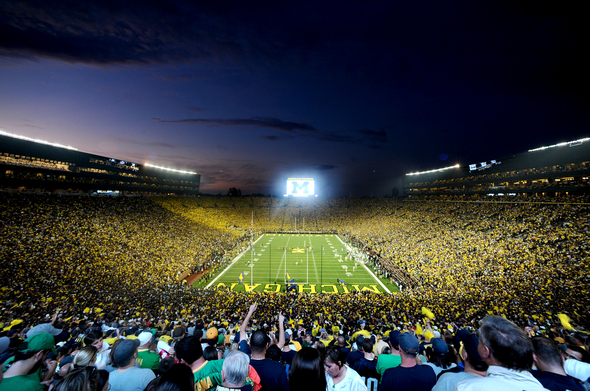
point(21, 383)
point(386, 361)
point(208, 375)
point(147, 359)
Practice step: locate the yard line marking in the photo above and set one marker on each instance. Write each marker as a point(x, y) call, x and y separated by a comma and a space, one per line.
point(231, 264)
point(313, 259)
point(283, 259)
point(368, 270)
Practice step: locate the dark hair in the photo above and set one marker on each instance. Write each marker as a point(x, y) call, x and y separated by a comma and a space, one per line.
point(259, 341)
point(367, 345)
point(321, 348)
point(92, 337)
point(189, 349)
point(18, 356)
point(476, 362)
point(178, 378)
point(210, 353)
point(166, 364)
point(582, 351)
point(274, 353)
point(84, 379)
point(436, 358)
point(508, 344)
point(307, 371)
point(336, 355)
point(112, 353)
point(451, 356)
point(546, 351)
point(198, 334)
point(447, 336)
point(385, 350)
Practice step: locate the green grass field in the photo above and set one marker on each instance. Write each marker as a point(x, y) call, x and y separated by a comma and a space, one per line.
point(314, 269)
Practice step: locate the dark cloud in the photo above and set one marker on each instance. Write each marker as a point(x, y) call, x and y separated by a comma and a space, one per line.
point(262, 122)
point(147, 143)
point(196, 109)
point(30, 126)
point(374, 136)
point(324, 167)
point(184, 77)
point(365, 137)
point(524, 47)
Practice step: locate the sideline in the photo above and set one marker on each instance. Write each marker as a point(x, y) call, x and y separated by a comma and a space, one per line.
point(367, 269)
point(232, 262)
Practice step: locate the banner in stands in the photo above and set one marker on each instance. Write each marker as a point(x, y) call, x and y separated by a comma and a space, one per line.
point(301, 288)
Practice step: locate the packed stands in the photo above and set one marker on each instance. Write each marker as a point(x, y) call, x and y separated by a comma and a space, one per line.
point(98, 260)
point(470, 258)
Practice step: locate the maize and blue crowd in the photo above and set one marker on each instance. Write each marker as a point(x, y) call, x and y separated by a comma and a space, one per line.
point(93, 297)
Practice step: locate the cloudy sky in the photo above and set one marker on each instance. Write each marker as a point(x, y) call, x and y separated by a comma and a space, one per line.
point(248, 93)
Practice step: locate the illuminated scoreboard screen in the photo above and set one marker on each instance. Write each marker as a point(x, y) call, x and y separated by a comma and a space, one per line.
point(300, 187)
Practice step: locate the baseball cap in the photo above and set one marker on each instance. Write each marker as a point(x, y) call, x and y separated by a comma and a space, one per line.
point(212, 333)
point(393, 338)
point(439, 346)
point(468, 342)
point(178, 332)
point(38, 342)
point(144, 337)
point(408, 343)
point(44, 328)
point(125, 350)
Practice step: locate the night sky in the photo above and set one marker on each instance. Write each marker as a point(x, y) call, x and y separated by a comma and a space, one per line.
point(248, 93)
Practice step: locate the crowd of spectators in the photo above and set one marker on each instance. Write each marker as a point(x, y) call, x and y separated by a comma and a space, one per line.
point(253, 350)
point(120, 260)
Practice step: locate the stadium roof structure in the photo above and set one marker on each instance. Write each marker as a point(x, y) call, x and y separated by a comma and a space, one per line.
point(30, 164)
point(559, 168)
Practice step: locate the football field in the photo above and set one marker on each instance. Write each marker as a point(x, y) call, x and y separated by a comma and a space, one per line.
point(301, 262)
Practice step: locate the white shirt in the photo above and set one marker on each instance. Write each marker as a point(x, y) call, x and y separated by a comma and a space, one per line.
point(352, 382)
point(578, 369)
point(502, 379)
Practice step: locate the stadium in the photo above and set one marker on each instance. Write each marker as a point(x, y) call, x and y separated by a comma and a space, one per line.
point(508, 239)
point(274, 196)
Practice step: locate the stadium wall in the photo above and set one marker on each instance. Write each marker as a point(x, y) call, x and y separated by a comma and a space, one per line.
point(561, 169)
point(30, 166)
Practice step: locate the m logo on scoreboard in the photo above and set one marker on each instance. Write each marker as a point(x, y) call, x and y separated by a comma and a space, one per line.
point(300, 187)
point(303, 186)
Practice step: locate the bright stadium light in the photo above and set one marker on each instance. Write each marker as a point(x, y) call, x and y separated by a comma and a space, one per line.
point(3, 133)
point(431, 171)
point(570, 143)
point(300, 187)
point(170, 169)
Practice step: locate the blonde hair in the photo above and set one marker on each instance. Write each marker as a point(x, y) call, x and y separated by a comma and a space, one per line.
point(85, 357)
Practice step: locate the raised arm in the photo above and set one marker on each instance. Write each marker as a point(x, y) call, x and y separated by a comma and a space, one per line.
point(281, 331)
point(243, 335)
